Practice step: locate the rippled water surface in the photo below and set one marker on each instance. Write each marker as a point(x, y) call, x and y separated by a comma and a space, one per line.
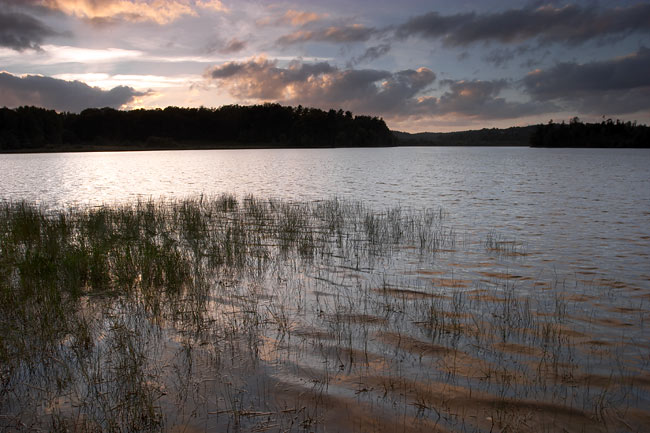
point(519, 301)
point(575, 208)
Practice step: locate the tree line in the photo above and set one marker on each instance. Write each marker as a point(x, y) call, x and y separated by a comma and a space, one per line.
point(274, 125)
point(268, 125)
point(513, 136)
point(607, 133)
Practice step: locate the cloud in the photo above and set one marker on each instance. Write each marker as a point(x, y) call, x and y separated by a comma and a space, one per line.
point(215, 5)
point(394, 95)
point(219, 45)
point(620, 85)
point(333, 34)
point(60, 95)
point(372, 53)
point(321, 84)
point(571, 24)
point(105, 11)
point(260, 78)
point(19, 31)
point(479, 99)
point(233, 46)
point(573, 79)
point(33, 5)
point(291, 17)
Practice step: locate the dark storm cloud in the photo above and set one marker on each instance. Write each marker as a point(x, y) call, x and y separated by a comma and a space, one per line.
point(20, 31)
point(620, 85)
point(570, 24)
point(332, 34)
point(321, 84)
point(60, 95)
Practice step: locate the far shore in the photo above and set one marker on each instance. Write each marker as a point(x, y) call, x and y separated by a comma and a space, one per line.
point(272, 126)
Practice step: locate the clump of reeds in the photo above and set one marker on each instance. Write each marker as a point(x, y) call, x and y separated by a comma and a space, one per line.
point(496, 243)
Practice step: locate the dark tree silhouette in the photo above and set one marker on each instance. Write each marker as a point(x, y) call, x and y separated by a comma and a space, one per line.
point(608, 133)
point(268, 125)
point(274, 125)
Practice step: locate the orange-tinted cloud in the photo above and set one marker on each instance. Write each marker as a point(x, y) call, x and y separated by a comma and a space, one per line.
point(299, 18)
point(211, 4)
point(159, 11)
point(291, 17)
point(334, 34)
point(321, 84)
point(394, 95)
point(260, 78)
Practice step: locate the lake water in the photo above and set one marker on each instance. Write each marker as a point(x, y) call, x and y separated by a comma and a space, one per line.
point(578, 210)
point(531, 314)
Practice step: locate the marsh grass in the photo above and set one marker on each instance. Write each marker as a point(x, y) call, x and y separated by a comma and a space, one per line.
point(213, 313)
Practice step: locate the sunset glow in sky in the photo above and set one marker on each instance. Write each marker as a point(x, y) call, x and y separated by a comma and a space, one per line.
point(421, 65)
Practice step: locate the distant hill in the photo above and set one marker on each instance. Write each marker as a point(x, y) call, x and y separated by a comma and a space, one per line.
point(514, 136)
point(609, 134)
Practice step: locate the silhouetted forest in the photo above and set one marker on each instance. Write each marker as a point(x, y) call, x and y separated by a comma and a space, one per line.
point(274, 125)
point(268, 125)
point(608, 133)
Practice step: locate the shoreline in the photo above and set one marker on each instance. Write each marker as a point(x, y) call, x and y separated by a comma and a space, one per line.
point(218, 146)
point(237, 146)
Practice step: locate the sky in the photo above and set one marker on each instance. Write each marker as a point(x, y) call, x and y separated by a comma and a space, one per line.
point(432, 65)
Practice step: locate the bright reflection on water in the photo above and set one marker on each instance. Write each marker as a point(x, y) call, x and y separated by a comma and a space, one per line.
point(576, 208)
